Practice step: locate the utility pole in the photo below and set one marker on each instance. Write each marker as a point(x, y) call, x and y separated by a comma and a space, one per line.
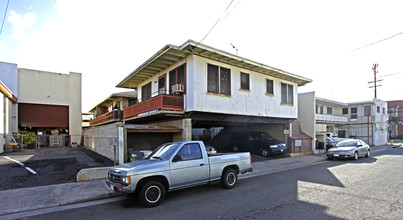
point(374, 66)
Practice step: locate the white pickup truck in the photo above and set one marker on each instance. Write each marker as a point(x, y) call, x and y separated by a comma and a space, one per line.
point(174, 166)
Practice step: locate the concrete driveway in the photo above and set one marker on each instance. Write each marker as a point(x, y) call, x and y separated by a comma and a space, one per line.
point(29, 168)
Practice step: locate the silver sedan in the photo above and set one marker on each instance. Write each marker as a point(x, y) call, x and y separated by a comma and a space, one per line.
point(351, 148)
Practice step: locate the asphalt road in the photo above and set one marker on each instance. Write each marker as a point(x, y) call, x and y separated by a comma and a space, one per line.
point(370, 188)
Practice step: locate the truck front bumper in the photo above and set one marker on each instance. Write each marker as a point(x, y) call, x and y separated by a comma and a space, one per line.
point(117, 187)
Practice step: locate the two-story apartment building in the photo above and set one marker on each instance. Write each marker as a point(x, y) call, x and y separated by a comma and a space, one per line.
point(198, 86)
point(321, 117)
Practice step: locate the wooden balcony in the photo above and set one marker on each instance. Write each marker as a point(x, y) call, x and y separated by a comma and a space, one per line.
point(115, 115)
point(161, 102)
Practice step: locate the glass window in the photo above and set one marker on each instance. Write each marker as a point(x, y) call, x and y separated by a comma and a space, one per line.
point(353, 110)
point(384, 110)
point(225, 81)
point(378, 109)
point(269, 87)
point(290, 94)
point(244, 81)
point(161, 84)
point(287, 94)
point(345, 111)
point(329, 110)
point(218, 80)
point(176, 76)
point(321, 109)
point(283, 93)
point(190, 152)
point(146, 91)
point(367, 110)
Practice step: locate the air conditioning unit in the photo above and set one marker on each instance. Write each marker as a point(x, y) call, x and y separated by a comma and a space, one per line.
point(177, 88)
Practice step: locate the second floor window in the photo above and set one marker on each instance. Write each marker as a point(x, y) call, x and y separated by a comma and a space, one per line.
point(329, 110)
point(367, 110)
point(146, 92)
point(269, 87)
point(345, 111)
point(176, 76)
point(353, 113)
point(287, 94)
point(218, 80)
point(245, 81)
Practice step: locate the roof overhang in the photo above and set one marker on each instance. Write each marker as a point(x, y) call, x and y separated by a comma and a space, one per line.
point(171, 54)
point(115, 96)
point(7, 93)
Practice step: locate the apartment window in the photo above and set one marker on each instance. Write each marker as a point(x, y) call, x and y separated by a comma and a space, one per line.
point(287, 94)
point(384, 110)
point(176, 76)
point(345, 111)
point(378, 109)
point(269, 87)
point(321, 109)
point(353, 113)
point(218, 80)
point(161, 84)
point(245, 81)
point(317, 109)
point(367, 110)
point(329, 110)
point(146, 91)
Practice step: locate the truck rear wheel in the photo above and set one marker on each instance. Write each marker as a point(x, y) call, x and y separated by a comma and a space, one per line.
point(229, 179)
point(151, 194)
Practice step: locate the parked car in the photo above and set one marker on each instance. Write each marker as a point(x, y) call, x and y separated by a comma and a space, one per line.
point(256, 142)
point(351, 148)
point(176, 165)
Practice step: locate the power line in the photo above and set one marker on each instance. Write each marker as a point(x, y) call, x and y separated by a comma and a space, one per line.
point(379, 41)
point(221, 18)
point(391, 74)
point(4, 18)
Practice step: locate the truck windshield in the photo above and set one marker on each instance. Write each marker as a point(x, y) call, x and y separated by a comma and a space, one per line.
point(164, 151)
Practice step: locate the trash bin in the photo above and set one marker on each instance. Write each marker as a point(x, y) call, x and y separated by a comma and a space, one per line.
point(134, 155)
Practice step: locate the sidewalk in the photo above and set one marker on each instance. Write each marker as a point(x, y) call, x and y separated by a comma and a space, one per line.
point(26, 199)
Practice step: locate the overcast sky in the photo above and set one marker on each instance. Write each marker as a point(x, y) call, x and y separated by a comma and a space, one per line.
point(106, 40)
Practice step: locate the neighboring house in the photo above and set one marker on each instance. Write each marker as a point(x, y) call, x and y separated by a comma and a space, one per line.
point(321, 117)
point(86, 118)
point(197, 86)
point(111, 109)
point(47, 103)
point(395, 111)
point(8, 103)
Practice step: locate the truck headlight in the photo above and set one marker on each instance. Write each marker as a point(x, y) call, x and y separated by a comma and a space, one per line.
point(126, 179)
point(273, 146)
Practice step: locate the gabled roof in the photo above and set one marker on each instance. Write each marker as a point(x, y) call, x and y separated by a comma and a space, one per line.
point(170, 54)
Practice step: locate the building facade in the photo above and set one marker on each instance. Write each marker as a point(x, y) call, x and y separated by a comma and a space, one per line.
point(191, 86)
point(327, 118)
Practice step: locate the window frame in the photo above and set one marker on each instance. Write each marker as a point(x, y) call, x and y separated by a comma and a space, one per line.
point(248, 81)
point(175, 70)
point(267, 87)
point(190, 158)
point(288, 96)
point(164, 76)
point(329, 112)
point(144, 94)
point(344, 112)
point(367, 110)
point(219, 79)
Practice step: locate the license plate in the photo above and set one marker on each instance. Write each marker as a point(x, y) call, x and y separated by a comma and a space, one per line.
point(336, 155)
point(111, 187)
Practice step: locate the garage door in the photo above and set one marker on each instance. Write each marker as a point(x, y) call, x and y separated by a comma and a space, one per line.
point(147, 141)
point(44, 116)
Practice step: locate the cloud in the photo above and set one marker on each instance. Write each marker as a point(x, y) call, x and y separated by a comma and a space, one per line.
point(21, 23)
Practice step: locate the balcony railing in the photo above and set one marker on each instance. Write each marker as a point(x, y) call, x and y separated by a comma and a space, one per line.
point(331, 119)
point(115, 115)
point(157, 103)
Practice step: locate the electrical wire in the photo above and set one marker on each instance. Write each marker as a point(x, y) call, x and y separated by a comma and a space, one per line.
point(221, 18)
point(4, 18)
point(391, 74)
point(378, 41)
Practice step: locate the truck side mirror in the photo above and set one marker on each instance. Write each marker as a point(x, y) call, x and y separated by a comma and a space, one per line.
point(177, 158)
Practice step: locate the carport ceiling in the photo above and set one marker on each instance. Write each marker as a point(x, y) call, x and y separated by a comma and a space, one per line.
point(171, 54)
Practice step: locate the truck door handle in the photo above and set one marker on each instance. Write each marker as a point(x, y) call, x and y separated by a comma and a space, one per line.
point(202, 164)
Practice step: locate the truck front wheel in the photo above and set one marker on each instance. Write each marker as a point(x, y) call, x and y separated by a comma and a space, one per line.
point(229, 179)
point(151, 194)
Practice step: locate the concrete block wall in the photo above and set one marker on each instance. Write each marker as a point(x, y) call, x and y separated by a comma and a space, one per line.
point(102, 138)
point(185, 124)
